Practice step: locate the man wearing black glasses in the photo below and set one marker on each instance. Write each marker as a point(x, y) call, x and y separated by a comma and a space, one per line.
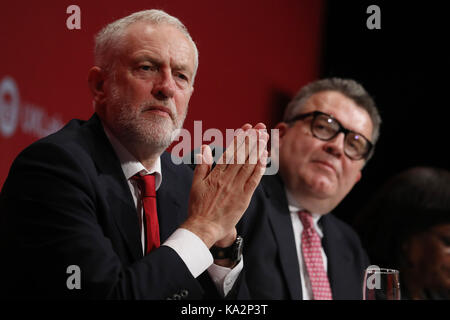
point(296, 249)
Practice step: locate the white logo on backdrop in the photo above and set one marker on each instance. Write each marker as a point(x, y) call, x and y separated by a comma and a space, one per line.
point(9, 107)
point(29, 117)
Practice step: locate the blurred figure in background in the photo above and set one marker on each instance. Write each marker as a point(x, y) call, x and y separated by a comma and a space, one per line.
point(406, 226)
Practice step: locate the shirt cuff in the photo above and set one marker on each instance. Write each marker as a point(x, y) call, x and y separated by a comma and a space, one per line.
point(223, 277)
point(191, 249)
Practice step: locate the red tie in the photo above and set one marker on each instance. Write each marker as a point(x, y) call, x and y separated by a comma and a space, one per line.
point(146, 184)
point(312, 254)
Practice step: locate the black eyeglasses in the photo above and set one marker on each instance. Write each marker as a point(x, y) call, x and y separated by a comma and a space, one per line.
point(325, 127)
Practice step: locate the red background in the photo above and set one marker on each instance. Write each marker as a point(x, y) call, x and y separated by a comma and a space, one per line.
point(250, 52)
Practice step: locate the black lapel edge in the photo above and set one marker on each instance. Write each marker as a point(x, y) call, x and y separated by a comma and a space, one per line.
point(280, 219)
point(118, 192)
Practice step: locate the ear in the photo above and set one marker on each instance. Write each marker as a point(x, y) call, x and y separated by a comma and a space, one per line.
point(96, 79)
point(282, 127)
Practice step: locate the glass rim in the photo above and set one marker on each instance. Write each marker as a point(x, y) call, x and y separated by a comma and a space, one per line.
point(382, 270)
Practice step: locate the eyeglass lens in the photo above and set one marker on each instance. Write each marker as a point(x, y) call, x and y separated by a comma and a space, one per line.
point(326, 128)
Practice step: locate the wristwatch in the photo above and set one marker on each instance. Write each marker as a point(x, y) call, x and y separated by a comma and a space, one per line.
point(233, 252)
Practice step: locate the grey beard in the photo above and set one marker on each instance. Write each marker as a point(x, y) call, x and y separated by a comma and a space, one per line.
point(155, 134)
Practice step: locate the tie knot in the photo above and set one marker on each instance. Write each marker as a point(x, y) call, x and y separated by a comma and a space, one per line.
point(146, 184)
point(306, 219)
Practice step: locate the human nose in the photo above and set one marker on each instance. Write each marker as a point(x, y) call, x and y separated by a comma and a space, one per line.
point(335, 146)
point(163, 87)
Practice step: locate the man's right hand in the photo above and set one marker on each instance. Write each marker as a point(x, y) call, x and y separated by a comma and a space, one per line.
point(219, 197)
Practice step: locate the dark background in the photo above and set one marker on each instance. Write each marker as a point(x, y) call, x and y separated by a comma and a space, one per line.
point(404, 66)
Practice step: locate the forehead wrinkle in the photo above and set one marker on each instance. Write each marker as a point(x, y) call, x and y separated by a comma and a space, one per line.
point(151, 44)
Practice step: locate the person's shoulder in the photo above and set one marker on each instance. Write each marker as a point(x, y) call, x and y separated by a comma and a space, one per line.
point(64, 138)
point(71, 146)
point(61, 156)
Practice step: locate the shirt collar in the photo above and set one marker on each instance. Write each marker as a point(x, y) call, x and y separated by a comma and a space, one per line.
point(130, 165)
point(295, 207)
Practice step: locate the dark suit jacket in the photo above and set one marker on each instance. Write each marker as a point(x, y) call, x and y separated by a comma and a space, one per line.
point(270, 257)
point(66, 202)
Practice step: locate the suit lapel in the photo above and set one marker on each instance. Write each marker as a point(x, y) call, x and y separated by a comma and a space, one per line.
point(112, 179)
point(280, 219)
point(170, 212)
point(339, 259)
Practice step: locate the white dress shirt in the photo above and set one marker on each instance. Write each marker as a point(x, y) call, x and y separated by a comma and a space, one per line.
point(191, 249)
point(297, 226)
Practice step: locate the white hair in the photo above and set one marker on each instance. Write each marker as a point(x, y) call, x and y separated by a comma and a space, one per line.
point(108, 39)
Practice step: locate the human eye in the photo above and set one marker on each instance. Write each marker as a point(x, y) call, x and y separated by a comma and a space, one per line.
point(354, 146)
point(181, 76)
point(147, 67)
point(182, 79)
point(356, 143)
point(325, 125)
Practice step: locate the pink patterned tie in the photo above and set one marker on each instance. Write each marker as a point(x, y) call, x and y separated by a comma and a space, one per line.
point(312, 254)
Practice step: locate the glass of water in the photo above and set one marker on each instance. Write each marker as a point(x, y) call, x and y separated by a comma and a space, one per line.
point(381, 284)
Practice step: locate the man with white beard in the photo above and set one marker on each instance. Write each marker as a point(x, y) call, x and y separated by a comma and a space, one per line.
point(99, 209)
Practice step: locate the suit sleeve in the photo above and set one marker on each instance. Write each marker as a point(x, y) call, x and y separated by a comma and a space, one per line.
point(49, 222)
